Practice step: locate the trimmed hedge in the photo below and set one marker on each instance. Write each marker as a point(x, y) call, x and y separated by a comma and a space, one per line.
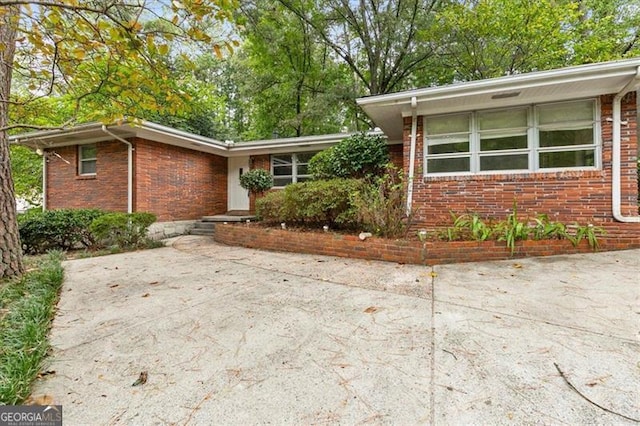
point(66, 229)
point(358, 156)
point(313, 203)
point(122, 229)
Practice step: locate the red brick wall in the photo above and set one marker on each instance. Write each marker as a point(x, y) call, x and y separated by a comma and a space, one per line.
point(583, 196)
point(396, 155)
point(178, 183)
point(173, 183)
point(106, 190)
point(402, 251)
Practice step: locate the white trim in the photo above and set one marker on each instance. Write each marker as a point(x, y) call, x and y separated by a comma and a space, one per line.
point(511, 83)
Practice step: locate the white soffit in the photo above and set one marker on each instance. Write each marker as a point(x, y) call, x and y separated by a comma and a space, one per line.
point(582, 81)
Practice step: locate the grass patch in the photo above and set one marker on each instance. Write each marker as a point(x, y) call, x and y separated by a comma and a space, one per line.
point(27, 306)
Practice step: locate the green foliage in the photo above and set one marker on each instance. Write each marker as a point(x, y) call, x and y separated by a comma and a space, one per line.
point(545, 229)
point(64, 229)
point(588, 232)
point(381, 207)
point(256, 181)
point(26, 167)
point(27, 307)
point(313, 203)
point(468, 227)
point(126, 231)
point(513, 229)
point(358, 156)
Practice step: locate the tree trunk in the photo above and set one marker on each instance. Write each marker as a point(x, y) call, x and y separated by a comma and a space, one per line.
point(10, 247)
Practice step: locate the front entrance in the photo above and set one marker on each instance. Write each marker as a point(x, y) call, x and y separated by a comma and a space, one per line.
point(238, 197)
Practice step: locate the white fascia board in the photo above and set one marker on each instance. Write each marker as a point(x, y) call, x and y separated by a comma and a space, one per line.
point(513, 82)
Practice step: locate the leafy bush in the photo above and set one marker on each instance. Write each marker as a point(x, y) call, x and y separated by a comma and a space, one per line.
point(64, 229)
point(313, 203)
point(122, 229)
point(256, 181)
point(470, 227)
point(381, 207)
point(358, 156)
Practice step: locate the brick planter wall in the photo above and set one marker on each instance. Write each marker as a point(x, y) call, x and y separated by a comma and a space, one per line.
point(401, 251)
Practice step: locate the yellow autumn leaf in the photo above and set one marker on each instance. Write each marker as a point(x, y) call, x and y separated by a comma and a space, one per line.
point(217, 51)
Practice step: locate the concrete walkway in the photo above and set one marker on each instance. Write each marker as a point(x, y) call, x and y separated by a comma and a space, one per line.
point(234, 336)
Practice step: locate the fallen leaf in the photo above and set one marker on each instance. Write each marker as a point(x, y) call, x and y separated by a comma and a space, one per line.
point(370, 310)
point(40, 400)
point(142, 379)
point(154, 283)
point(517, 266)
point(114, 285)
point(46, 373)
point(146, 295)
point(433, 274)
point(592, 384)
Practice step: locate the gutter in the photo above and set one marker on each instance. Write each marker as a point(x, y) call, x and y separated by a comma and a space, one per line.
point(412, 153)
point(616, 160)
point(129, 167)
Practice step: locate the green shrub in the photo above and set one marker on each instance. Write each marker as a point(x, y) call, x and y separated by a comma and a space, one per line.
point(64, 229)
point(256, 181)
point(358, 156)
point(122, 230)
point(313, 203)
point(381, 208)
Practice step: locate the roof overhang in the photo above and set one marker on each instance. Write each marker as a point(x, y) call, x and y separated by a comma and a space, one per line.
point(387, 111)
point(98, 132)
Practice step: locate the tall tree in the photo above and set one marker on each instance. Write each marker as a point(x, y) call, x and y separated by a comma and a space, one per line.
point(296, 87)
point(376, 39)
point(10, 249)
point(480, 39)
point(91, 49)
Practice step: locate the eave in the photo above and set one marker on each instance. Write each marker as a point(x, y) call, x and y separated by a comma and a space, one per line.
point(387, 111)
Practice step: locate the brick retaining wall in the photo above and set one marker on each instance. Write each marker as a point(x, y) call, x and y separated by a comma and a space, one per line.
point(402, 251)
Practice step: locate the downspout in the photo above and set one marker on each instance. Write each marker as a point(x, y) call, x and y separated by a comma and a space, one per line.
point(44, 182)
point(129, 167)
point(412, 153)
point(616, 160)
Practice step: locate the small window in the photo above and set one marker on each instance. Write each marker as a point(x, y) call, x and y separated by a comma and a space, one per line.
point(87, 155)
point(290, 168)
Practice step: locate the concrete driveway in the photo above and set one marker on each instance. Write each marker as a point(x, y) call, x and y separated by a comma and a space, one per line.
point(236, 336)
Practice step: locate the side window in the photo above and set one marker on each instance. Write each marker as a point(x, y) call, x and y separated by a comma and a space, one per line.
point(566, 135)
point(87, 155)
point(448, 143)
point(290, 168)
point(282, 169)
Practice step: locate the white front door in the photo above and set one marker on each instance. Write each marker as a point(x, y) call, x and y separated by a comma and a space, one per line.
point(238, 197)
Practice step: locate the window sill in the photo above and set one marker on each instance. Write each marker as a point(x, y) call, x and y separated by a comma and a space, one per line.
point(86, 177)
point(573, 174)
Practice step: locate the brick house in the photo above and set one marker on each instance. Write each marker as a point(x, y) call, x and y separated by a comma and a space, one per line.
point(560, 142)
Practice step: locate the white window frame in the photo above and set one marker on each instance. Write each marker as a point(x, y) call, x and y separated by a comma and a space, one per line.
point(82, 160)
point(533, 149)
point(294, 167)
